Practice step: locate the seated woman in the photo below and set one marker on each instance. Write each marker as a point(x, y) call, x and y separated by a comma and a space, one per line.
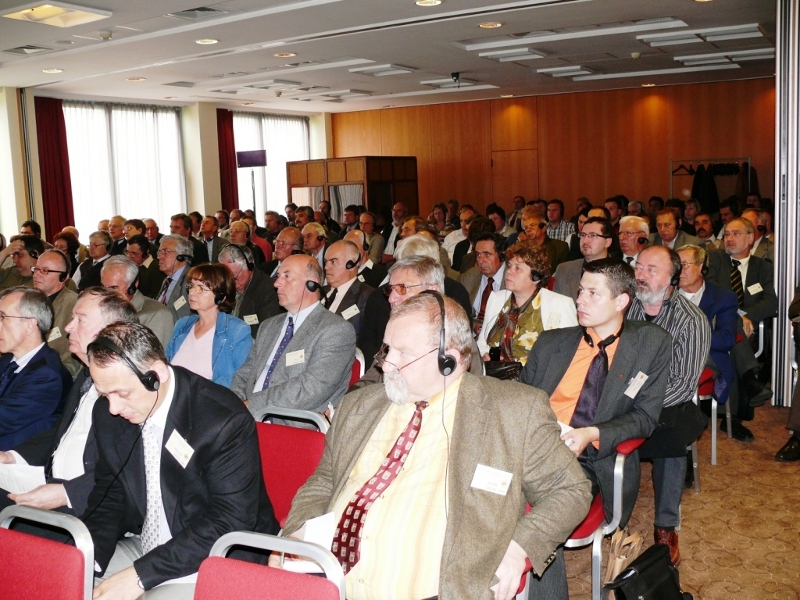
point(517, 315)
point(211, 343)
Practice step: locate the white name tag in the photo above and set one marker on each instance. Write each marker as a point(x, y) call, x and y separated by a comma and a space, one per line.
point(251, 319)
point(635, 385)
point(361, 278)
point(54, 334)
point(491, 480)
point(754, 289)
point(179, 448)
point(179, 303)
point(298, 357)
point(350, 312)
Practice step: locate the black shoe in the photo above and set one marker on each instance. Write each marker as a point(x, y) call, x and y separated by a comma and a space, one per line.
point(757, 393)
point(790, 451)
point(738, 431)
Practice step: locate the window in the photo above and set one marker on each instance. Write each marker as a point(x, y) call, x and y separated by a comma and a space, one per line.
point(285, 138)
point(125, 160)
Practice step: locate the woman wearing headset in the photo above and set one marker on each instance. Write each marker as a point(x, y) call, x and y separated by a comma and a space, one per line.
point(517, 315)
point(210, 343)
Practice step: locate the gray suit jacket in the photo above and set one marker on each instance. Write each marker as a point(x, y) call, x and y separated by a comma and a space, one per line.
point(329, 347)
point(765, 250)
point(499, 424)
point(682, 239)
point(217, 244)
point(471, 280)
point(642, 348)
point(154, 316)
point(176, 307)
point(568, 278)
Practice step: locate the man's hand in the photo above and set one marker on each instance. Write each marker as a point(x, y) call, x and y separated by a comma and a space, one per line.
point(747, 325)
point(577, 439)
point(122, 586)
point(48, 497)
point(7, 458)
point(509, 572)
point(275, 557)
point(15, 246)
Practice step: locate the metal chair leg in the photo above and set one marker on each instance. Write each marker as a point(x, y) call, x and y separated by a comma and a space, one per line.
point(695, 467)
point(713, 431)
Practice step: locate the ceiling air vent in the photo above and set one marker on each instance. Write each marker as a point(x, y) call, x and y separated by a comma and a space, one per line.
point(28, 50)
point(201, 13)
point(183, 84)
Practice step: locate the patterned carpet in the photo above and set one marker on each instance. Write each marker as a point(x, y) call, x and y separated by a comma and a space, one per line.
point(740, 535)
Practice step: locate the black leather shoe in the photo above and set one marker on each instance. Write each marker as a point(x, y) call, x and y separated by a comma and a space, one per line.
point(758, 394)
point(738, 431)
point(790, 451)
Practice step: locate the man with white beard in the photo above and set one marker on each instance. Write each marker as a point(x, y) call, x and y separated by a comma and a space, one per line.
point(412, 469)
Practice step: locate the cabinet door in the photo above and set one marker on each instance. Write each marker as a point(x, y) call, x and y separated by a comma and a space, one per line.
point(514, 173)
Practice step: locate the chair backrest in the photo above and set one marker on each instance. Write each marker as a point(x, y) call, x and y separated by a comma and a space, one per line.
point(227, 579)
point(357, 371)
point(294, 414)
point(289, 455)
point(37, 568)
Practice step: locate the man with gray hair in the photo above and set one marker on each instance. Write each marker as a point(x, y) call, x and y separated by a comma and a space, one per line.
point(88, 273)
point(33, 381)
point(121, 274)
point(315, 242)
point(473, 540)
point(68, 451)
point(174, 256)
point(634, 234)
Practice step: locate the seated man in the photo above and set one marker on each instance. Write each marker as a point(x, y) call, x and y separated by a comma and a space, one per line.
point(452, 521)
point(592, 375)
point(344, 293)
point(369, 272)
point(487, 276)
point(175, 258)
point(140, 251)
point(191, 479)
point(33, 380)
point(68, 451)
point(301, 359)
point(24, 250)
point(595, 240)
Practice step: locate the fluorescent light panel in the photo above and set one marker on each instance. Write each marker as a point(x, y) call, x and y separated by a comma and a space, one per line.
point(734, 54)
point(693, 36)
point(656, 72)
point(57, 14)
point(382, 70)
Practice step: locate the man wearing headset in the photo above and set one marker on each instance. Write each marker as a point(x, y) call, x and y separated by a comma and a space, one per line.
point(595, 240)
point(451, 523)
point(315, 243)
point(369, 272)
point(634, 235)
point(256, 300)
point(88, 274)
point(658, 301)
point(301, 359)
point(143, 253)
point(344, 293)
point(24, 251)
point(174, 259)
point(175, 467)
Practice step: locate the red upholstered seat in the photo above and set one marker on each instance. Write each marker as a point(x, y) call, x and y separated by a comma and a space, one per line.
point(229, 579)
point(592, 521)
point(706, 386)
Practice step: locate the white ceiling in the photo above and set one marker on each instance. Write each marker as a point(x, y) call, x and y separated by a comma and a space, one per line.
point(331, 37)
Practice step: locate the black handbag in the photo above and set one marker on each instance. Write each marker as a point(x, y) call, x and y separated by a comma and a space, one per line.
point(650, 577)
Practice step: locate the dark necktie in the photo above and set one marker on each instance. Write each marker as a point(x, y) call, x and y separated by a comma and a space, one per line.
point(629, 260)
point(7, 376)
point(487, 291)
point(162, 295)
point(586, 408)
point(329, 300)
point(347, 540)
point(287, 337)
point(736, 281)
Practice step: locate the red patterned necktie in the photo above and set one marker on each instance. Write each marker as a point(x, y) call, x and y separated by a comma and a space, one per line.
point(347, 540)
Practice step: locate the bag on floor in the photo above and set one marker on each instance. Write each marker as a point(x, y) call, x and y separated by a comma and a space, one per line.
point(623, 551)
point(650, 577)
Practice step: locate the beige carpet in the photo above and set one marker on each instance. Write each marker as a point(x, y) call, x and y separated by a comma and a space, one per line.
point(740, 537)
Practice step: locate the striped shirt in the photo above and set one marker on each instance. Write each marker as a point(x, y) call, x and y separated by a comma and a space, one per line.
point(691, 341)
point(562, 231)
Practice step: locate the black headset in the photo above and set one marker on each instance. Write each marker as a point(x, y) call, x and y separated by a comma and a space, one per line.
point(536, 275)
point(642, 240)
point(352, 264)
point(219, 298)
point(62, 276)
point(364, 244)
point(184, 258)
point(246, 255)
point(704, 268)
point(149, 379)
point(762, 229)
point(447, 363)
point(676, 277)
point(321, 238)
point(32, 253)
point(133, 286)
point(297, 251)
point(313, 286)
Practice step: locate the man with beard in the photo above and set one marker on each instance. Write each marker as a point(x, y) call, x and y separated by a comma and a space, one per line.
point(445, 524)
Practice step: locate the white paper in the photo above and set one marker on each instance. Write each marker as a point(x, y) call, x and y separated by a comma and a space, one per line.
point(754, 289)
point(564, 427)
point(319, 530)
point(19, 479)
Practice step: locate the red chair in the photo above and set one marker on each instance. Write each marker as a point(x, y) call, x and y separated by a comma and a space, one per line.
point(358, 368)
point(594, 527)
point(223, 578)
point(35, 568)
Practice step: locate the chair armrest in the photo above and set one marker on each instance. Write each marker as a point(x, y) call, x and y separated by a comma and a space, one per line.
point(629, 446)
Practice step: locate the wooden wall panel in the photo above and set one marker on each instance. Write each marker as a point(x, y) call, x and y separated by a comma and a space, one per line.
point(460, 154)
point(514, 173)
point(407, 132)
point(356, 133)
point(514, 124)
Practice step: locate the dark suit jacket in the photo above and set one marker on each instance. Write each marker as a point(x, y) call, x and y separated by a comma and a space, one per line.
point(34, 397)
point(268, 267)
point(721, 306)
point(642, 348)
point(682, 239)
point(90, 274)
point(200, 252)
point(118, 247)
point(355, 296)
point(471, 280)
point(259, 300)
point(373, 276)
point(151, 279)
point(220, 490)
point(39, 449)
point(217, 244)
point(759, 305)
point(557, 252)
point(459, 252)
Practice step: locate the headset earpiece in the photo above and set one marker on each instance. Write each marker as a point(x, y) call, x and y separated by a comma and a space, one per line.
point(352, 264)
point(62, 277)
point(676, 277)
point(364, 244)
point(149, 379)
point(219, 298)
point(296, 252)
point(704, 268)
point(133, 286)
point(536, 275)
point(246, 255)
point(313, 286)
point(447, 363)
point(642, 240)
point(184, 258)
point(321, 238)
point(762, 229)
point(33, 254)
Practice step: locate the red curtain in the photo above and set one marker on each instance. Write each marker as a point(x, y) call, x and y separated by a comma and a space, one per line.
point(51, 133)
point(227, 160)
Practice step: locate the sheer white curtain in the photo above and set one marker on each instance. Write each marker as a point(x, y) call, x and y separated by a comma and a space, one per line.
point(285, 138)
point(124, 160)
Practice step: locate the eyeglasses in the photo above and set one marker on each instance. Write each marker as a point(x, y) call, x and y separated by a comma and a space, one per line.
point(380, 357)
point(44, 270)
point(686, 265)
point(4, 316)
point(591, 236)
point(400, 288)
point(198, 287)
point(627, 234)
point(734, 233)
point(164, 251)
point(96, 245)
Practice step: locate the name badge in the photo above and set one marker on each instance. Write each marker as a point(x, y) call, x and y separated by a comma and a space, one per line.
point(754, 289)
point(251, 319)
point(179, 303)
point(635, 385)
point(179, 448)
point(298, 357)
point(361, 278)
point(491, 480)
point(350, 312)
point(54, 334)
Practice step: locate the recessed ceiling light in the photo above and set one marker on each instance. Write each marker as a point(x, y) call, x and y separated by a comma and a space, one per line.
point(428, 2)
point(52, 71)
point(649, 84)
point(284, 54)
point(506, 95)
point(490, 25)
point(206, 41)
point(170, 97)
point(702, 0)
point(247, 104)
point(57, 14)
point(136, 79)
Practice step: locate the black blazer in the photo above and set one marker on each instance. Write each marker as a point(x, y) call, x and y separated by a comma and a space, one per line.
point(259, 299)
point(759, 305)
point(373, 276)
point(118, 247)
point(357, 296)
point(90, 274)
point(151, 279)
point(199, 252)
point(220, 490)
